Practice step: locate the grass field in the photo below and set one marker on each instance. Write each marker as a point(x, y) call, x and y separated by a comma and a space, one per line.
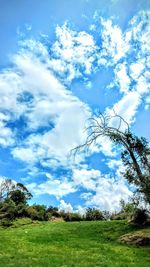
point(84, 244)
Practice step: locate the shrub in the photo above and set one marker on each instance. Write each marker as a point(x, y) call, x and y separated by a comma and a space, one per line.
point(140, 217)
point(37, 212)
point(93, 214)
point(52, 211)
point(119, 216)
point(71, 217)
point(5, 222)
point(8, 209)
point(21, 210)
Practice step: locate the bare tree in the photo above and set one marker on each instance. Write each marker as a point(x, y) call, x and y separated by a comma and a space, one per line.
point(6, 186)
point(135, 151)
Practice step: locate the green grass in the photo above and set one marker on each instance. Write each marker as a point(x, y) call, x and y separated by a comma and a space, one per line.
point(84, 244)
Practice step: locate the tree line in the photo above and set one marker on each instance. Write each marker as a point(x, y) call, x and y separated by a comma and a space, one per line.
point(14, 199)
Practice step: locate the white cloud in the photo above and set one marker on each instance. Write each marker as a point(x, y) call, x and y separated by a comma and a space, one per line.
point(6, 135)
point(86, 178)
point(103, 192)
point(25, 154)
point(51, 104)
point(108, 194)
point(74, 50)
point(122, 78)
point(65, 206)
point(114, 44)
point(10, 85)
point(139, 32)
point(136, 69)
point(127, 106)
point(58, 188)
point(114, 163)
point(81, 210)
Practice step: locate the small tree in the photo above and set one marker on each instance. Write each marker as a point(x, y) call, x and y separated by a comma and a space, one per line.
point(18, 197)
point(10, 189)
point(13, 201)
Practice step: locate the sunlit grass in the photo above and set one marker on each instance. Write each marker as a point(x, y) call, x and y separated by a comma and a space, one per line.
point(86, 244)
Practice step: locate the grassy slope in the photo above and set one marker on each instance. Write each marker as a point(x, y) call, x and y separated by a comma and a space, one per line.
point(86, 244)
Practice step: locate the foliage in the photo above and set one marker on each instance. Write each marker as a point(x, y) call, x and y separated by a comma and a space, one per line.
point(93, 214)
point(127, 207)
point(53, 211)
point(21, 222)
point(136, 159)
point(41, 212)
point(15, 191)
point(13, 201)
point(140, 217)
point(37, 212)
point(120, 216)
point(71, 217)
point(5, 222)
point(8, 210)
point(18, 197)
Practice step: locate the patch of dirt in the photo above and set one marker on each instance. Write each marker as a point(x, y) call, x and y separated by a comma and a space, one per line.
point(141, 238)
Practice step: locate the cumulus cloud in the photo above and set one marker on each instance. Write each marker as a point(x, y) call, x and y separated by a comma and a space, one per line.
point(6, 134)
point(86, 178)
point(122, 78)
point(43, 101)
point(58, 188)
point(108, 194)
point(65, 206)
point(73, 51)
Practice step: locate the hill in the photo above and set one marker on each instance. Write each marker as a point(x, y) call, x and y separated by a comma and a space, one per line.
point(76, 244)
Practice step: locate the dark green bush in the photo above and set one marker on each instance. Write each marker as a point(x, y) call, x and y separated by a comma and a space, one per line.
point(93, 214)
point(5, 222)
point(52, 211)
point(8, 209)
point(71, 216)
point(37, 212)
point(140, 217)
point(120, 216)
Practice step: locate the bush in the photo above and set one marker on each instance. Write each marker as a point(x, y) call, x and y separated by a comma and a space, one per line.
point(52, 211)
point(21, 210)
point(71, 217)
point(93, 214)
point(119, 216)
point(140, 217)
point(37, 212)
point(32, 213)
point(5, 222)
point(8, 210)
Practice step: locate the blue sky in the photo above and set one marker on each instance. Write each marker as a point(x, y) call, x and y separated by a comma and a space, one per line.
point(61, 62)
